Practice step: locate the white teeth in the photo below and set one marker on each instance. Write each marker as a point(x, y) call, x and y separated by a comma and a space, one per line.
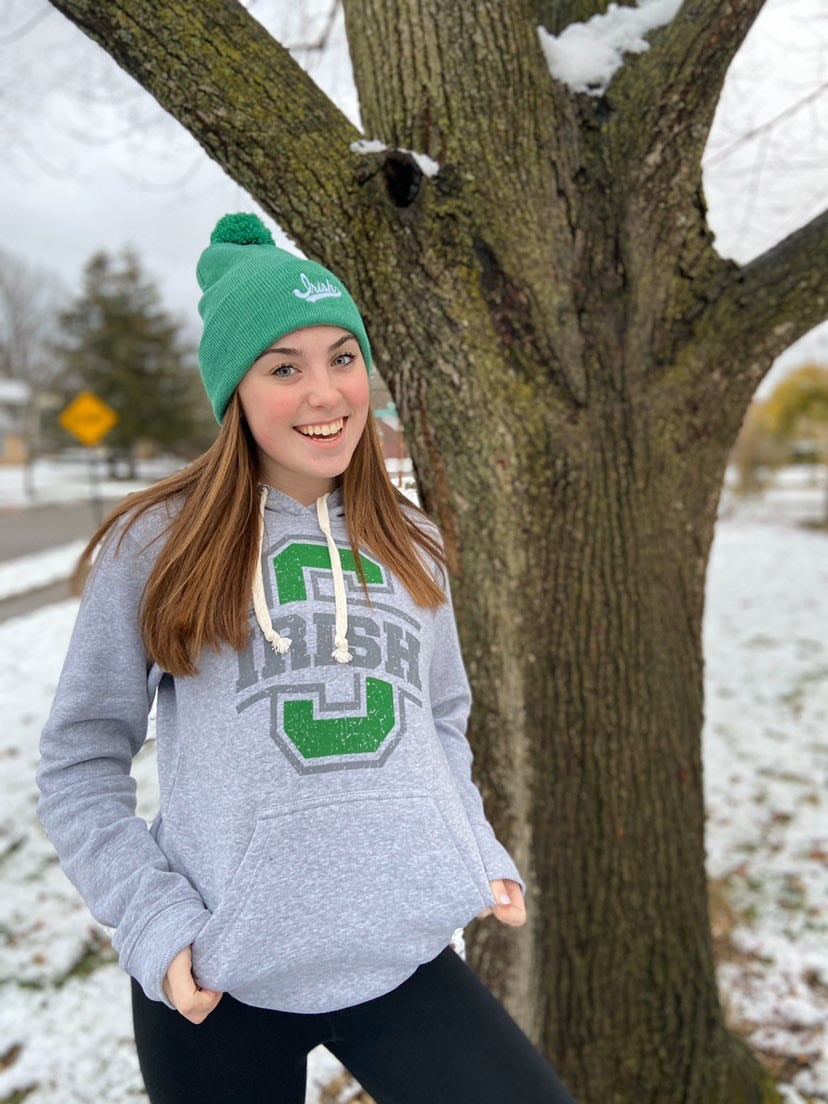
point(328, 429)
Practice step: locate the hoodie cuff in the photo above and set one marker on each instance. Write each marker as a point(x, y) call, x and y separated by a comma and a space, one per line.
point(167, 933)
point(498, 863)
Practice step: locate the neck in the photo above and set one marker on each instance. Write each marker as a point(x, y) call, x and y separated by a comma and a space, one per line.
point(301, 491)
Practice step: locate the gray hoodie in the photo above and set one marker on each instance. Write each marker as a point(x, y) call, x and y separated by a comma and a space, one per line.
point(319, 834)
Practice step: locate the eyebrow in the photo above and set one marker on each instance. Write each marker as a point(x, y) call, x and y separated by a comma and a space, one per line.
point(300, 352)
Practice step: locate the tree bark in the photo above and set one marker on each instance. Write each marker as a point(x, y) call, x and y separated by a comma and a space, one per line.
point(556, 15)
point(547, 311)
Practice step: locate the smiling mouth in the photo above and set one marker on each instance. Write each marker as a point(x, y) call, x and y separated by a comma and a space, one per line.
point(323, 431)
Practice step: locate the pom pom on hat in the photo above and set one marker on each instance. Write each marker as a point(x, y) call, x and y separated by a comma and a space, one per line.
point(253, 294)
point(242, 230)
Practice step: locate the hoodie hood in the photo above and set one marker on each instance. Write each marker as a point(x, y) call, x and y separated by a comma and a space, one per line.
point(277, 502)
point(327, 506)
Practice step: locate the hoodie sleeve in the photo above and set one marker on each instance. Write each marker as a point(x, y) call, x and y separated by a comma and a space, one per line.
point(451, 703)
point(97, 724)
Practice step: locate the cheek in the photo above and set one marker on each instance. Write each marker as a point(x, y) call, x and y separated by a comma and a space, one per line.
point(269, 417)
point(359, 396)
point(266, 408)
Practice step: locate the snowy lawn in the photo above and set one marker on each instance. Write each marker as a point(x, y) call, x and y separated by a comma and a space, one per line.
point(70, 476)
point(65, 1030)
point(39, 569)
point(766, 775)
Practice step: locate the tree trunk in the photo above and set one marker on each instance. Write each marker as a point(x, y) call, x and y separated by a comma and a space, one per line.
point(587, 716)
point(579, 576)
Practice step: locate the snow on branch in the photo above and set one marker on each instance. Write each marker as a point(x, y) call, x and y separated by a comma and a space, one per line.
point(427, 165)
point(586, 56)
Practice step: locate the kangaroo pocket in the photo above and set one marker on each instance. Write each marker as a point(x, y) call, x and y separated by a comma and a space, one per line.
point(363, 882)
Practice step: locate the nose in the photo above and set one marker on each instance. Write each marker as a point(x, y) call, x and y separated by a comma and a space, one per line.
point(322, 391)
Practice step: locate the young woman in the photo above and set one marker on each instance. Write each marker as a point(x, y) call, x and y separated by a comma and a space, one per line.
point(319, 835)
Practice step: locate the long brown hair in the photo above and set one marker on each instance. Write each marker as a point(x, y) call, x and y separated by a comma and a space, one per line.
point(198, 592)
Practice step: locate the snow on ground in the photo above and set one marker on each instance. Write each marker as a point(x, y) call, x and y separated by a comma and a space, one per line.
point(766, 772)
point(39, 569)
point(69, 478)
point(65, 1028)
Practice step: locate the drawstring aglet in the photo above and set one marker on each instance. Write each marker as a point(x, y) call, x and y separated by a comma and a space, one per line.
point(279, 644)
point(341, 653)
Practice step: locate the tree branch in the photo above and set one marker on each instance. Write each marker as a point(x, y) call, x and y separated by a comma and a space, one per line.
point(667, 96)
point(768, 304)
point(245, 101)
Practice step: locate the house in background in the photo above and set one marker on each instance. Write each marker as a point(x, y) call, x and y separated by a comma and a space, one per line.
point(392, 438)
point(391, 434)
point(14, 402)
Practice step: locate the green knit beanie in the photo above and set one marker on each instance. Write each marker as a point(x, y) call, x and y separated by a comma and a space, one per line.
point(255, 293)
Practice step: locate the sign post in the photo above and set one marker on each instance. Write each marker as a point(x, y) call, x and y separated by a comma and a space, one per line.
point(90, 419)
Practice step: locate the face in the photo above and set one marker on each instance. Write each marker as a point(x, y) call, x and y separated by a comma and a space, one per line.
point(306, 401)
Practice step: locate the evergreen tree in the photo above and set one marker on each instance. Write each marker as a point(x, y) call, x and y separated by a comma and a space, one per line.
point(118, 342)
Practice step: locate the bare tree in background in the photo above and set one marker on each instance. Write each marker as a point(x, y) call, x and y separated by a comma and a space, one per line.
point(572, 361)
point(29, 303)
point(30, 299)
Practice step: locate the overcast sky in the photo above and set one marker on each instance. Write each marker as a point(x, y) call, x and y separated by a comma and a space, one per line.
point(89, 161)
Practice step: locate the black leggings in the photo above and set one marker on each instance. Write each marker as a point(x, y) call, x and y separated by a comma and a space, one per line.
point(441, 1037)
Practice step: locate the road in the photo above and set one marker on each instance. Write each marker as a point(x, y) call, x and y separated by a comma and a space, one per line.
point(24, 531)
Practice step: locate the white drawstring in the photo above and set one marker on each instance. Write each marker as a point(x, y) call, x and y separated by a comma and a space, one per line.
point(340, 652)
point(280, 644)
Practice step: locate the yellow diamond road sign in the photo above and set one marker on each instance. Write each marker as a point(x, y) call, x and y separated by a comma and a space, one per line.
point(88, 417)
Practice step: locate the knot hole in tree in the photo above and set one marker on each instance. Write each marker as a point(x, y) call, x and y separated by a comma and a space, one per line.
point(402, 178)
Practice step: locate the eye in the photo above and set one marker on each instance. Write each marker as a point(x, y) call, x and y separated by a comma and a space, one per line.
point(351, 357)
point(282, 371)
